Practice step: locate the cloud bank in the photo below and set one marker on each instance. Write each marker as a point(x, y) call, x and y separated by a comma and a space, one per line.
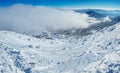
point(24, 18)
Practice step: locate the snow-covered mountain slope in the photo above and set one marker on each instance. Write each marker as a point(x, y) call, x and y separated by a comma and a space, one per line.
point(100, 13)
point(95, 53)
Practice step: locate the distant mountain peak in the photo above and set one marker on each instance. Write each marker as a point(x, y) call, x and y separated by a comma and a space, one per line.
point(95, 14)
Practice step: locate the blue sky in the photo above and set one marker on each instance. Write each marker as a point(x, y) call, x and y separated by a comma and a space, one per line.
point(66, 3)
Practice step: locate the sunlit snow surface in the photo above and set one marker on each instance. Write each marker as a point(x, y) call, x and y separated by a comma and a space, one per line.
point(95, 53)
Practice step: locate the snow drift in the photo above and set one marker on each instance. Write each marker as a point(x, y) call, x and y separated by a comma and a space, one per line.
point(25, 18)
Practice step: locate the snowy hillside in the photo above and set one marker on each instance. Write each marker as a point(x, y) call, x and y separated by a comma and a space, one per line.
point(95, 53)
point(100, 13)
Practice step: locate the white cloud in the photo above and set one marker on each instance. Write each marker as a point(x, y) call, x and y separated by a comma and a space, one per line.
point(24, 18)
